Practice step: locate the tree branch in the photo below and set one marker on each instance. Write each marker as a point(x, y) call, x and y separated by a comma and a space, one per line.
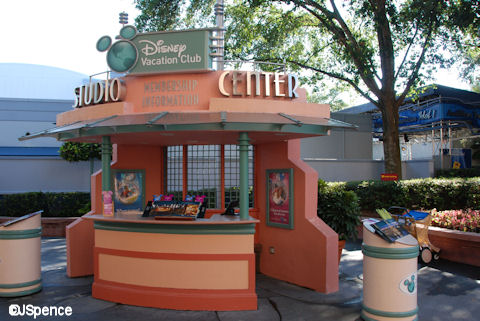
point(415, 71)
point(352, 48)
point(336, 76)
point(406, 53)
point(353, 40)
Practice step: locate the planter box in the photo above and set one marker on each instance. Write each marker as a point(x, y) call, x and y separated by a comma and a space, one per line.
point(456, 246)
point(51, 226)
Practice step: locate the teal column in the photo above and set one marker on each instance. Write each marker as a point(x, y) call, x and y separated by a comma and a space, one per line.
point(106, 160)
point(243, 143)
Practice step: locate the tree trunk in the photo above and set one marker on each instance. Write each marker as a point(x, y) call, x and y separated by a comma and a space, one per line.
point(391, 142)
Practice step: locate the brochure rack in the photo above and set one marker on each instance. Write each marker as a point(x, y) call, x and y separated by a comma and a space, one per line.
point(389, 277)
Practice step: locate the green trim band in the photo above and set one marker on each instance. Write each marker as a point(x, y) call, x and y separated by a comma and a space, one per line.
point(387, 314)
point(176, 228)
point(20, 234)
point(367, 318)
point(390, 253)
point(20, 293)
point(20, 285)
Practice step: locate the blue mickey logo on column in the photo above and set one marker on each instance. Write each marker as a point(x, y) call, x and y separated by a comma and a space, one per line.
point(122, 55)
point(408, 284)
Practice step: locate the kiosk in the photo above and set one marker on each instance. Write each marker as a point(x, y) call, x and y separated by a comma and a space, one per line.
point(172, 125)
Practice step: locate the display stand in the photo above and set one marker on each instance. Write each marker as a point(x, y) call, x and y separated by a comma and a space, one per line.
point(389, 277)
point(20, 252)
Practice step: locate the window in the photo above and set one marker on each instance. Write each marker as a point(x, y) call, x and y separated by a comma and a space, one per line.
point(204, 172)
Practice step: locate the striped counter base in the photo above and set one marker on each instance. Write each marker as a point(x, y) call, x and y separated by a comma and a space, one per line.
point(199, 265)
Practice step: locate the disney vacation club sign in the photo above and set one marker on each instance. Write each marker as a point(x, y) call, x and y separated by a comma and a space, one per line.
point(157, 52)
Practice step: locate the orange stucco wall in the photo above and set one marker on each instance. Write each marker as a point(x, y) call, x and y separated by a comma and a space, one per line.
point(306, 255)
point(148, 158)
point(80, 243)
point(80, 234)
point(144, 157)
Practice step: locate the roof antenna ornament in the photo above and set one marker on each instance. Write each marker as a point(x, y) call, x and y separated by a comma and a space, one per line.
point(123, 18)
point(122, 55)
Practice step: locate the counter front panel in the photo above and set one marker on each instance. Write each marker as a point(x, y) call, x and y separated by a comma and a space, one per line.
point(196, 265)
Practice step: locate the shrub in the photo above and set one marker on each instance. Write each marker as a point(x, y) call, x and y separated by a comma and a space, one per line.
point(339, 209)
point(378, 194)
point(458, 172)
point(443, 194)
point(52, 204)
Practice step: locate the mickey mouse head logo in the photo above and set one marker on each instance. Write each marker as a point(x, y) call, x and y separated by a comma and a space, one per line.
point(122, 55)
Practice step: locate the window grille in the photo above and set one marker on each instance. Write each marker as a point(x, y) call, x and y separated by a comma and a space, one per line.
point(232, 174)
point(175, 172)
point(204, 173)
point(203, 168)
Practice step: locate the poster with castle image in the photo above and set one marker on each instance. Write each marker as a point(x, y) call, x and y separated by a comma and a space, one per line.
point(129, 190)
point(280, 198)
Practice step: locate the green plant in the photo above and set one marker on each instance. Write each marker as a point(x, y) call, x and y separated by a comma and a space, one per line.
point(52, 204)
point(458, 172)
point(428, 193)
point(339, 209)
point(75, 152)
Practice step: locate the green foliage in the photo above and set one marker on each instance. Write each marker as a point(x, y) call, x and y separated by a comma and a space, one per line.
point(75, 152)
point(377, 194)
point(161, 15)
point(52, 204)
point(442, 194)
point(464, 23)
point(339, 209)
point(458, 172)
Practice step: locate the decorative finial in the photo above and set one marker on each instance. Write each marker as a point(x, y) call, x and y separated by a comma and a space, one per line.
point(123, 18)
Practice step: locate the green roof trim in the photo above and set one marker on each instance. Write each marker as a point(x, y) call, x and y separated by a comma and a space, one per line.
point(195, 121)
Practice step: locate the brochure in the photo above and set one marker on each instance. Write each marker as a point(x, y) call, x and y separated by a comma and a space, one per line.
point(390, 230)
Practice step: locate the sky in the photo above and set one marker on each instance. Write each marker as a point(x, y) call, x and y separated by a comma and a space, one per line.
point(63, 33)
point(60, 33)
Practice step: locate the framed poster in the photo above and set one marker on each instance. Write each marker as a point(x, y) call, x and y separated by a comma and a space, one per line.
point(280, 198)
point(128, 190)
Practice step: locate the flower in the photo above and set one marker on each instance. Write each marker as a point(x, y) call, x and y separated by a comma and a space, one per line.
point(462, 220)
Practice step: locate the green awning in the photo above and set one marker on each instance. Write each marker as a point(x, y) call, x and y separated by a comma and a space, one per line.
point(288, 125)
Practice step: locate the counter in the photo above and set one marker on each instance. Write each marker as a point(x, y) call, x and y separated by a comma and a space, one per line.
point(206, 264)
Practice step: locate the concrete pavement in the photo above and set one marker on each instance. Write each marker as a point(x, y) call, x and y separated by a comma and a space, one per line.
point(446, 291)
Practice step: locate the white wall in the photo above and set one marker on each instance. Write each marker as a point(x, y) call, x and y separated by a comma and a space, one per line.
point(341, 143)
point(356, 170)
point(19, 175)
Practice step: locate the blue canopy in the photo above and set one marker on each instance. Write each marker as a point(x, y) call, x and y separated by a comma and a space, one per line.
point(437, 106)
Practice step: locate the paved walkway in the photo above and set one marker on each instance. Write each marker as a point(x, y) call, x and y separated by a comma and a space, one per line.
point(447, 291)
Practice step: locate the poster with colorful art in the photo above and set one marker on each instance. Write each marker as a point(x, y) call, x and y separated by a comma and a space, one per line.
point(129, 191)
point(280, 198)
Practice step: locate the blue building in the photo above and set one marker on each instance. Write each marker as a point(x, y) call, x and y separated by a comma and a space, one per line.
point(30, 98)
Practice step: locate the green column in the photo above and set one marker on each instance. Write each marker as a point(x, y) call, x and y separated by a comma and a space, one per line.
point(106, 160)
point(243, 143)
